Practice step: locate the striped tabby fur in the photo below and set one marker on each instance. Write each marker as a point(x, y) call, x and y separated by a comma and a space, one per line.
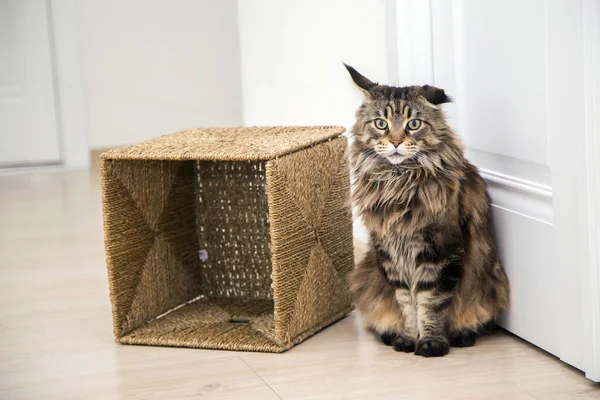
point(431, 278)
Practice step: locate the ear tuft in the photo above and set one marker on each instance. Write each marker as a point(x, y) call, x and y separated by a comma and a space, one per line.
point(435, 95)
point(360, 81)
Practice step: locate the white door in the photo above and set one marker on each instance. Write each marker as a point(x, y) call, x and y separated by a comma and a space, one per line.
point(516, 69)
point(28, 123)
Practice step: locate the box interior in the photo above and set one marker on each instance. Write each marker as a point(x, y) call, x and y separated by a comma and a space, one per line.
point(233, 230)
point(233, 300)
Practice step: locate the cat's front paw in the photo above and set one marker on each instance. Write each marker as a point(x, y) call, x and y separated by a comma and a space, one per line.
point(404, 343)
point(432, 347)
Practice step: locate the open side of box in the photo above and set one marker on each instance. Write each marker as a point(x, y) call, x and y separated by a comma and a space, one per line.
point(237, 255)
point(190, 243)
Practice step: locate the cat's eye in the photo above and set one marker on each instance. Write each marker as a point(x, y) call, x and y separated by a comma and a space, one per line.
point(413, 124)
point(380, 124)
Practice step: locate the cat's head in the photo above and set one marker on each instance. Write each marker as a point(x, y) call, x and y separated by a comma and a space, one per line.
point(401, 124)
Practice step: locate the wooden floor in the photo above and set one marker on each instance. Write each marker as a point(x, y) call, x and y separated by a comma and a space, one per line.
point(56, 336)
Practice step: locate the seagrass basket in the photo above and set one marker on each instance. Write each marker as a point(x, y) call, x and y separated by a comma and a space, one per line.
point(236, 239)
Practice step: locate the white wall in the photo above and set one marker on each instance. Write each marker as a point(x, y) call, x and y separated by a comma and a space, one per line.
point(292, 53)
point(153, 67)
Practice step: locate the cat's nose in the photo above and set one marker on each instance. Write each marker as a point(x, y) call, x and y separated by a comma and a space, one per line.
point(396, 143)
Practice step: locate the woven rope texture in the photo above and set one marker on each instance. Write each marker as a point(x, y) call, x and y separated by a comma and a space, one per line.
point(233, 144)
point(241, 252)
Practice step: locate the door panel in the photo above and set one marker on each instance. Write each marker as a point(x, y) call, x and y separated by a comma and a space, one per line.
point(523, 244)
point(28, 125)
point(501, 78)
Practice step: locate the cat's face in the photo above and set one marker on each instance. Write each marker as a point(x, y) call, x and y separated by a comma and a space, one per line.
point(400, 124)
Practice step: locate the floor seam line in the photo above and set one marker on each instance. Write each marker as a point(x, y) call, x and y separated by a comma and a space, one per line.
point(261, 378)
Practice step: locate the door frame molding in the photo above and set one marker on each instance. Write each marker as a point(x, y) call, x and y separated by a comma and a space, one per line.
point(591, 80)
point(413, 45)
point(63, 23)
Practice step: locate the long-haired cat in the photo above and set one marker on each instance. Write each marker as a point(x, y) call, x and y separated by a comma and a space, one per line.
point(431, 278)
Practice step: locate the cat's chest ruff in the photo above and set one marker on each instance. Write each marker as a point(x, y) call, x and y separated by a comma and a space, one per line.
point(398, 257)
point(398, 171)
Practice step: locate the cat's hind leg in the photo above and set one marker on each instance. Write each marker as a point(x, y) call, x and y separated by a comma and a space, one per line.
point(471, 315)
point(375, 300)
point(464, 338)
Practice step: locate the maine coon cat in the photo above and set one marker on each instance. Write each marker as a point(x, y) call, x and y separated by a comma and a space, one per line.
point(431, 278)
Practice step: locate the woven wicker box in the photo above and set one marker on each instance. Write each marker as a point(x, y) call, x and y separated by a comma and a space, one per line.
point(237, 239)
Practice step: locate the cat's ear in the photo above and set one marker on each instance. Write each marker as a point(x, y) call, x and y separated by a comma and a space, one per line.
point(434, 96)
point(363, 83)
